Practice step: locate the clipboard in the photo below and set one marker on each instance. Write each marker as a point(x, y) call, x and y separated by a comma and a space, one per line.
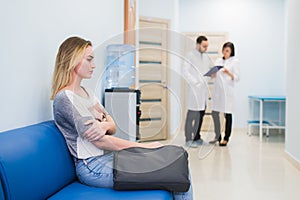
point(213, 70)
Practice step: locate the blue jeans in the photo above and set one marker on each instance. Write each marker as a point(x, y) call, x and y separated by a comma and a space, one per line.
point(98, 172)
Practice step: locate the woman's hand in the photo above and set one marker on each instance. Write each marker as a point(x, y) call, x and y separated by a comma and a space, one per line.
point(225, 70)
point(95, 132)
point(98, 112)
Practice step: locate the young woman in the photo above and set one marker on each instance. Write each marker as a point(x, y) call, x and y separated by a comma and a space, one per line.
point(83, 121)
point(223, 92)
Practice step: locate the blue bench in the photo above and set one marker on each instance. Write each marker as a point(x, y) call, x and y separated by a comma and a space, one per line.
point(266, 126)
point(35, 164)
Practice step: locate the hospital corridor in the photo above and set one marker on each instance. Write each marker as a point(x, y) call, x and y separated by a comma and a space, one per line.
point(150, 100)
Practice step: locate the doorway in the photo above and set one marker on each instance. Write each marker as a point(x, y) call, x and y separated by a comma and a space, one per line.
point(153, 78)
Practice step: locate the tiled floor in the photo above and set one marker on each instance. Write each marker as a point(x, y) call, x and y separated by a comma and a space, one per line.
point(245, 169)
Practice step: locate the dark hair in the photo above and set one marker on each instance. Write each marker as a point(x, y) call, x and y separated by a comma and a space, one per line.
point(200, 39)
point(231, 46)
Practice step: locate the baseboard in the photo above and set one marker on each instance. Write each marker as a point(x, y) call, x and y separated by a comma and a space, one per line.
point(292, 160)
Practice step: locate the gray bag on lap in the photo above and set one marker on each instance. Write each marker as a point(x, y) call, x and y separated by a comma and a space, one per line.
point(164, 168)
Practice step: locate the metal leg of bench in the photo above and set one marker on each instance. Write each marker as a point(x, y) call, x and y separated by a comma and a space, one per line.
point(249, 129)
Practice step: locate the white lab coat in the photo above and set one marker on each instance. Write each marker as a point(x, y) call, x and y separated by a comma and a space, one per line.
point(195, 65)
point(223, 91)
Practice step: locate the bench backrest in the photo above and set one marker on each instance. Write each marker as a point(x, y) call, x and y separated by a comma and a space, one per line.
point(34, 162)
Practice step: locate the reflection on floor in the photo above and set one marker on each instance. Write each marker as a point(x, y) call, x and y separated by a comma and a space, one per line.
point(245, 169)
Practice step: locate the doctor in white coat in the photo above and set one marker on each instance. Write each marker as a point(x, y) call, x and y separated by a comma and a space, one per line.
point(223, 92)
point(196, 64)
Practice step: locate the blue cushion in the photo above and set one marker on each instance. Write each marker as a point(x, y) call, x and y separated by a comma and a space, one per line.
point(34, 162)
point(1, 191)
point(77, 191)
point(257, 122)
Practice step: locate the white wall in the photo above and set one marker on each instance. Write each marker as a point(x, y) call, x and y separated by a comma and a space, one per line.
point(31, 32)
point(292, 80)
point(257, 29)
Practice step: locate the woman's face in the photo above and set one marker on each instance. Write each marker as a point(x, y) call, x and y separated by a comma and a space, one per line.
point(86, 66)
point(226, 52)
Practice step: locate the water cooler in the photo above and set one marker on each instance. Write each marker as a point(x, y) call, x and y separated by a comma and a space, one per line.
point(123, 104)
point(119, 68)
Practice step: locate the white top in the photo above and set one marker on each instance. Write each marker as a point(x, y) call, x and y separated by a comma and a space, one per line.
point(195, 66)
point(223, 92)
point(69, 109)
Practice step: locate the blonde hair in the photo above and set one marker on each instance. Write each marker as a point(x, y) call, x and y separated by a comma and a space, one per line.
point(69, 55)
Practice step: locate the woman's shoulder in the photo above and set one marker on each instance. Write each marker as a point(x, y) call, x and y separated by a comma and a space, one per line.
point(62, 96)
point(67, 93)
point(59, 96)
point(234, 59)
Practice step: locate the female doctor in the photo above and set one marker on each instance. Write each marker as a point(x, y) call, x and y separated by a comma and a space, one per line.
point(223, 92)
